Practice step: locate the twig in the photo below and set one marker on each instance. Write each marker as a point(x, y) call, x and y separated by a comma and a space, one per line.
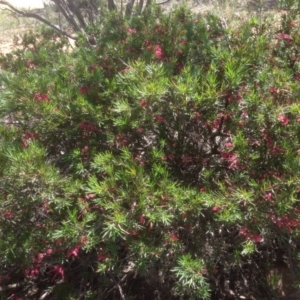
point(11, 286)
point(118, 286)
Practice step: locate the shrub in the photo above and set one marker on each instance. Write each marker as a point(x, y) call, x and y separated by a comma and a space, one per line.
point(141, 169)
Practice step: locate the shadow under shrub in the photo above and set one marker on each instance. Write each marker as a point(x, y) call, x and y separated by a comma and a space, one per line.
point(161, 162)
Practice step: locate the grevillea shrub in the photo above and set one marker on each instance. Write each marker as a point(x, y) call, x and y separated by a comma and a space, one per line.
point(161, 162)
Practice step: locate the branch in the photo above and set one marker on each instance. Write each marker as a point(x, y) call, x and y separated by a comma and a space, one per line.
point(117, 284)
point(163, 2)
point(11, 286)
point(64, 9)
point(35, 16)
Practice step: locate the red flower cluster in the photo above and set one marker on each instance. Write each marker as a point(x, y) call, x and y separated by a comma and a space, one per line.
point(174, 237)
point(159, 53)
point(143, 102)
point(88, 127)
point(285, 222)
point(283, 36)
point(41, 97)
point(158, 118)
point(132, 31)
point(85, 90)
point(273, 149)
point(102, 256)
point(249, 236)
point(74, 251)
point(122, 140)
point(28, 137)
point(283, 119)
point(231, 158)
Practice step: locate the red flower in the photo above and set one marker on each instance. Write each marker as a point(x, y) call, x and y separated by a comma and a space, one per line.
point(142, 219)
point(41, 97)
point(174, 237)
point(216, 209)
point(243, 231)
point(249, 236)
point(85, 150)
point(283, 119)
point(256, 238)
point(159, 53)
point(292, 24)
point(268, 196)
point(231, 158)
point(129, 30)
point(74, 251)
point(158, 118)
point(102, 256)
point(87, 126)
point(273, 90)
point(283, 36)
point(143, 102)
point(49, 251)
point(32, 272)
point(58, 270)
point(85, 90)
point(186, 159)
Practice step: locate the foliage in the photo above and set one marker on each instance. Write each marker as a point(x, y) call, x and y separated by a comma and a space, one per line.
point(162, 162)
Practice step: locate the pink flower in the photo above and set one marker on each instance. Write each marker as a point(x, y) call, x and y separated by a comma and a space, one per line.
point(298, 118)
point(268, 196)
point(283, 119)
point(228, 145)
point(49, 251)
point(58, 270)
point(159, 53)
point(243, 231)
point(216, 209)
point(231, 158)
point(256, 238)
point(74, 251)
point(273, 90)
point(32, 272)
point(132, 31)
point(283, 36)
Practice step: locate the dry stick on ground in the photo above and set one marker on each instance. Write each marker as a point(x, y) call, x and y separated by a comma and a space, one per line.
point(35, 16)
point(11, 286)
point(117, 285)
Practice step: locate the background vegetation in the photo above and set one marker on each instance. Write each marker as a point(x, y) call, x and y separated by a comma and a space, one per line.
point(159, 162)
